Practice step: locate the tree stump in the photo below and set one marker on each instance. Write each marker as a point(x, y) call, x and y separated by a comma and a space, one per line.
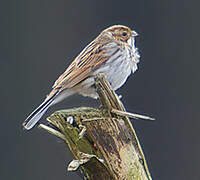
point(104, 143)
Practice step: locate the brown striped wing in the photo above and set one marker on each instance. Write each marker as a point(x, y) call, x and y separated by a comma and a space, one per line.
point(89, 59)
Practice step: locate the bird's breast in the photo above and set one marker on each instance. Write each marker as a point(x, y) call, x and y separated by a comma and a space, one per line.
point(119, 65)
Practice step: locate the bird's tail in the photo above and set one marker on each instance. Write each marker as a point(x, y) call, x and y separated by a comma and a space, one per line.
point(35, 116)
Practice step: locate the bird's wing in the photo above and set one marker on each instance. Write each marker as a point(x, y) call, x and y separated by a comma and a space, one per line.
point(89, 59)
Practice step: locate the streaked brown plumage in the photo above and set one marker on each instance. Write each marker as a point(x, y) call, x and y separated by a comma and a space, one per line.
point(113, 52)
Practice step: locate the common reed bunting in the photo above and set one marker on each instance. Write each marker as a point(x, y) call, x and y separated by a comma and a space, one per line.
point(113, 53)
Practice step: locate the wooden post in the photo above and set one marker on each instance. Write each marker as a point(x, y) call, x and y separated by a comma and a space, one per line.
point(104, 144)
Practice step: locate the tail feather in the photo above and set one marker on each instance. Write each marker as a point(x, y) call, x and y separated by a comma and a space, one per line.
point(35, 116)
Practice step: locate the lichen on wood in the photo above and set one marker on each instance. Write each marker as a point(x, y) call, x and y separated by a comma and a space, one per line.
point(104, 144)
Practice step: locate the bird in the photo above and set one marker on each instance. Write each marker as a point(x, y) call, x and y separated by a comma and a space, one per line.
point(112, 52)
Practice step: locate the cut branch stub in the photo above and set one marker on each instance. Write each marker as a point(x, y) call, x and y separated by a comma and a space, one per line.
point(93, 169)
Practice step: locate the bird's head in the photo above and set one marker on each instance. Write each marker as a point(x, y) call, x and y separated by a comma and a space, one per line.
point(120, 33)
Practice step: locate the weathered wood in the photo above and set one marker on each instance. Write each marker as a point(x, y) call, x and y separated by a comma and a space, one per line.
point(103, 143)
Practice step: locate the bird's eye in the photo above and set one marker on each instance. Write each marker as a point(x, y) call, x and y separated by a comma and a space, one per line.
point(124, 33)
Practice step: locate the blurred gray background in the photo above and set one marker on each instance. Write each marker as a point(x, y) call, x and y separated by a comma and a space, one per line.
point(40, 38)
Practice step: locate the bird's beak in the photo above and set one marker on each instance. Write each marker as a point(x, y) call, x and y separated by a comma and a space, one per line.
point(134, 34)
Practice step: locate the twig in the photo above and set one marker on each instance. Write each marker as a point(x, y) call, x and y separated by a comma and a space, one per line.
point(131, 115)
